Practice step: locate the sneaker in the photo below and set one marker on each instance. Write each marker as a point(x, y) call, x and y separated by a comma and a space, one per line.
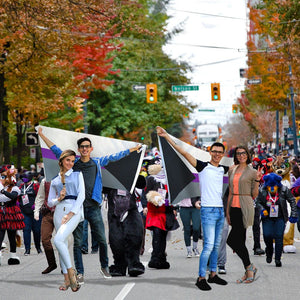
point(94, 251)
point(27, 252)
point(189, 254)
point(39, 250)
point(216, 279)
point(105, 273)
point(196, 252)
point(278, 263)
point(202, 285)
point(80, 279)
point(84, 251)
point(259, 251)
point(222, 270)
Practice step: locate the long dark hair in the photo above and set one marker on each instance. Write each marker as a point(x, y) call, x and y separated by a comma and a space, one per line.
point(236, 162)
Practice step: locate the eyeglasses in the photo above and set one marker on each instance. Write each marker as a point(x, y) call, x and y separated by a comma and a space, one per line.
point(84, 146)
point(241, 153)
point(217, 152)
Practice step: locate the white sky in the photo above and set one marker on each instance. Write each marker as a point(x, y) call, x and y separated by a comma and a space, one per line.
point(211, 31)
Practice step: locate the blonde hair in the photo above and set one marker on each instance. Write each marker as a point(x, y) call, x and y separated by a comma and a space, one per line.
point(63, 155)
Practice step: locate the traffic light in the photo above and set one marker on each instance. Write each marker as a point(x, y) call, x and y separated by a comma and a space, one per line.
point(215, 91)
point(234, 108)
point(151, 93)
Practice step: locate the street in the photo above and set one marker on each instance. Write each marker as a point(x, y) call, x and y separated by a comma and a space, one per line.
point(26, 281)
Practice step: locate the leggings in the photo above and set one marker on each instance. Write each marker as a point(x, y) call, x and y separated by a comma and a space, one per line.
point(237, 236)
point(63, 232)
point(11, 237)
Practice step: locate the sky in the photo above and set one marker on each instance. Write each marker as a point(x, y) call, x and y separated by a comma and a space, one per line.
point(212, 23)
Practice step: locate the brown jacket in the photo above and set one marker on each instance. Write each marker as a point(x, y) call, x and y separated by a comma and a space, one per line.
point(246, 189)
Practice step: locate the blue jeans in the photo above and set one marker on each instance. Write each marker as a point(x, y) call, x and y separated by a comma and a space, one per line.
point(35, 226)
point(85, 243)
point(94, 217)
point(188, 214)
point(212, 220)
point(273, 228)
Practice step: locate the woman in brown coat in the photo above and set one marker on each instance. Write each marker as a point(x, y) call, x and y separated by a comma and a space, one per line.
point(243, 188)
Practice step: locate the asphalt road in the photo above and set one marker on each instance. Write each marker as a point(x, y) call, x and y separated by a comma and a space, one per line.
point(25, 281)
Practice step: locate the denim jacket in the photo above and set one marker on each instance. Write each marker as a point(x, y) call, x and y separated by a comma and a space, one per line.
point(100, 162)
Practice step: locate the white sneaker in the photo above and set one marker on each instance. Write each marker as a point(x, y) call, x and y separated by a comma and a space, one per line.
point(105, 273)
point(189, 254)
point(196, 252)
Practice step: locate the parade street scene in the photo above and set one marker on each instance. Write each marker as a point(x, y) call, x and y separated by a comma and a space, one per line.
point(149, 149)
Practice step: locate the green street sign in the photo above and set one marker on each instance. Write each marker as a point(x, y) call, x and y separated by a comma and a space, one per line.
point(184, 88)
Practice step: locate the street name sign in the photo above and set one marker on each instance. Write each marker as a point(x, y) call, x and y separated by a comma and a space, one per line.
point(184, 88)
point(254, 81)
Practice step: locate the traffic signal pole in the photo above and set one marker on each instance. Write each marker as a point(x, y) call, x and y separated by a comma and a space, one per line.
point(293, 116)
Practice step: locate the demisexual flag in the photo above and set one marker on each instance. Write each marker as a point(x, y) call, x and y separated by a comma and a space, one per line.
point(182, 177)
point(121, 174)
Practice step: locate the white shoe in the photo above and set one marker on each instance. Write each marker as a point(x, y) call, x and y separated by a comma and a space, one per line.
point(196, 252)
point(189, 254)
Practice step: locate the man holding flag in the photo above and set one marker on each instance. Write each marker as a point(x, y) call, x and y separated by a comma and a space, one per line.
point(212, 213)
point(91, 170)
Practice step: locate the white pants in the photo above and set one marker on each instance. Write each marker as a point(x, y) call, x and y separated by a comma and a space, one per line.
point(63, 232)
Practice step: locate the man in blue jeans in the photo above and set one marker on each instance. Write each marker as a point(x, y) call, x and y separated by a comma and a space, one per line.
point(212, 213)
point(91, 170)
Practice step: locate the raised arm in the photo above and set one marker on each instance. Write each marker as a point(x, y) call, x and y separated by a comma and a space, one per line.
point(44, 138)
point(191, 159)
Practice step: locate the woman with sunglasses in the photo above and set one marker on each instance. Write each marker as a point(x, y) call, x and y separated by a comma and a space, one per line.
point(243, 189)
point(67, 193)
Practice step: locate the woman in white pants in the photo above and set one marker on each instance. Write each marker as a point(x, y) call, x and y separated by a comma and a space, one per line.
point(67, 193)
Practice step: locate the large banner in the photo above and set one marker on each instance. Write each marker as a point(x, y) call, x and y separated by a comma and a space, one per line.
point(121, 174)
point(183, 179)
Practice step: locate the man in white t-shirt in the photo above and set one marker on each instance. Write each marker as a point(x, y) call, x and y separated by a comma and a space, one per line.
point(212, 213)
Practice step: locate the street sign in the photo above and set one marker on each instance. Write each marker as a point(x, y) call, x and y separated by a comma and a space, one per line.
point(31, 139)
point(141, 87)
point(285, 122)
point(184, 88)
point(32, 152)
point(254, 81)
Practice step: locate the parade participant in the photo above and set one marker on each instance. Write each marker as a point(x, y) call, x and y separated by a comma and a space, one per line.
point(11, 218)
point(243, 188)
point(47, 227)
point(91, 170)
point(212, 213)
point(160, 218)
point(29, 190)
point(272, 200)
point(67, 195)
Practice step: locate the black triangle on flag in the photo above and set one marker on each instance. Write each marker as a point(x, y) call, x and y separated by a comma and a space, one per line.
point(178, 174)
point(124, 170)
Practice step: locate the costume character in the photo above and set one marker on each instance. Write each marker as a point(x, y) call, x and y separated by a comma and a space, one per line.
point(282, 167)
point(29, 190)
point(126, 228)
point(272, 200)
point(160, 216)
point(11, 218)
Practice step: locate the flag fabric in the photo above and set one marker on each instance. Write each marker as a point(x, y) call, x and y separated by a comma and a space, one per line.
point(182, 177)
point(121, 174)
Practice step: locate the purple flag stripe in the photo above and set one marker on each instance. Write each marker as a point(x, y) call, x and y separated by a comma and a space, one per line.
point(47, 153)
point(225, 178)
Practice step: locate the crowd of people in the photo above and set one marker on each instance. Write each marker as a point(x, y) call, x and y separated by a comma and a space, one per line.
point(258, 191)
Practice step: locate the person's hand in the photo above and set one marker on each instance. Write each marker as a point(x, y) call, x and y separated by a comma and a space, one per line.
point(62, 194)
point(259, 174)
point(228, 219)
point(40, 131)
point(198, 204)
point(36, 216)
point(136, 148)
point(67, 217)
point(145, 211)
point(160, 131)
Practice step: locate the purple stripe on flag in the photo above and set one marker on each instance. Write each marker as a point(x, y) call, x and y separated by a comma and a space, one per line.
point(47, 153)
point(225, 179)
point(196, 177)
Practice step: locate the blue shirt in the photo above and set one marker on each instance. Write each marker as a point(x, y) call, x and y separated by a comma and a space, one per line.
point(74, 187)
